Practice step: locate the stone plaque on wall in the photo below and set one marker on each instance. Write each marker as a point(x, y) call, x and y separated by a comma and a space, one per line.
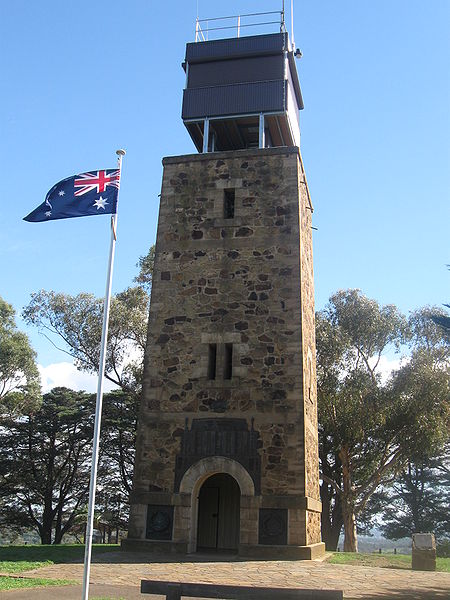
point(220, 437)
point(273, 526)
point(159, 522)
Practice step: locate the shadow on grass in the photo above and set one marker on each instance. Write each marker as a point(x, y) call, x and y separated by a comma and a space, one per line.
point(111, 554)
point(62, 553)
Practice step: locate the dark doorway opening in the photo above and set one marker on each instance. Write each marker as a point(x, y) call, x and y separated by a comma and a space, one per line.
point(218, 514)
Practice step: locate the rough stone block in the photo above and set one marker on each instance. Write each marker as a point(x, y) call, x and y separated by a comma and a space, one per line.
point(423, 552)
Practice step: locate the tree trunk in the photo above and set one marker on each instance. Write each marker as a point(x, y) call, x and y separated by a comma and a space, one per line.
point(336, 521)
point(58, 527)
point(47, 521)
point(348, 504)
point(331, 517)
point(46, 536)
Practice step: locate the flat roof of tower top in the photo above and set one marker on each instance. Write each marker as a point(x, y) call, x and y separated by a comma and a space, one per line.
point(254, 45)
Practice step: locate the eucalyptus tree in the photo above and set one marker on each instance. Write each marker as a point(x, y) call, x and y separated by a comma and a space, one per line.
point(419, 497)
point(370, 429)
point(353, 333)
point(19, 376)
point(73, 323)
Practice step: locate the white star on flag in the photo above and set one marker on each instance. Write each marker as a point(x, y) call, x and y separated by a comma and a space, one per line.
point(48, 214)
point(100, 203)
point(61, 193)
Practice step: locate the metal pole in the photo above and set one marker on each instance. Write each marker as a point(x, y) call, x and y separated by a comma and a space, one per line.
point(292, 25)
point(98, 404)
point(205, 135)
point(262, 136)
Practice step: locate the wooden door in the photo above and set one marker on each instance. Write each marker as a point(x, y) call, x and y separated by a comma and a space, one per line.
point(208, 514)
point(219, 513)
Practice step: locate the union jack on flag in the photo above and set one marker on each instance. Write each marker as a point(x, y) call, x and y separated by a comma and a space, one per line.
point(96, 180)
point(91, 193)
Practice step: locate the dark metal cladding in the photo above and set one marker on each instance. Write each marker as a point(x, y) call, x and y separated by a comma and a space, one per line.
point(236, 70)
point(231, 80)
point(243, 98)
point(255, 45)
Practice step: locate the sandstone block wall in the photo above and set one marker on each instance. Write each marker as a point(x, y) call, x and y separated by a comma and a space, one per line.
point(245, 281)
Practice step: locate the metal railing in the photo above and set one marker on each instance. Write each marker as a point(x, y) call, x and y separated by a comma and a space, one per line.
point(202, 32)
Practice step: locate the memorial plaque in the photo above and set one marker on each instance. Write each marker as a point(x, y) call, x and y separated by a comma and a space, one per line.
point(423, 552)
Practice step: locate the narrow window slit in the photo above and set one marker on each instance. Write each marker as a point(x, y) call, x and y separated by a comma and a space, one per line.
point(228, 362)
point(212, 360)
point(228, 204)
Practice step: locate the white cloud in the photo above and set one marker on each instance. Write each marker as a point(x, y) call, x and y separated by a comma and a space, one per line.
point(387, 365)
point(65, 374)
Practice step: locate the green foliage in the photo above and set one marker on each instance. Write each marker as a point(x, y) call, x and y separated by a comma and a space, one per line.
point(77, 321)
point(370, 431)
point(44, 477)
point(442, 319)
point(19, 377)
point(119, 427)
point(352, 334)
point(427, 334)
point(443, 549)
point(146, 265)
point(418, 500)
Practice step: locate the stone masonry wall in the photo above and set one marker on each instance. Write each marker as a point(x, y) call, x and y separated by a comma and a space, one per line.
point(311, 450)
point(244, 281)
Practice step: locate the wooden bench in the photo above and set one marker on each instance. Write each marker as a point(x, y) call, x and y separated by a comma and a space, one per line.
point(174, 591)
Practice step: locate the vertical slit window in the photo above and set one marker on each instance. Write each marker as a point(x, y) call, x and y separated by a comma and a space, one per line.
point(228, 204)
point(212, 360)
point(228, 362)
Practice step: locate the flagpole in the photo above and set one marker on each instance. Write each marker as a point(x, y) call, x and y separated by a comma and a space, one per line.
point(99, 400)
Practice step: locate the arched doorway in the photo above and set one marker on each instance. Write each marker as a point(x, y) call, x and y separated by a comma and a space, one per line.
point(218, 513)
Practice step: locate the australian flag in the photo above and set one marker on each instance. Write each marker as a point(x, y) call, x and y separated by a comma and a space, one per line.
point(93, 193)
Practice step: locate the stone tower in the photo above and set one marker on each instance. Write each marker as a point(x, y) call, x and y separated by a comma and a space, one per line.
point(227, 451)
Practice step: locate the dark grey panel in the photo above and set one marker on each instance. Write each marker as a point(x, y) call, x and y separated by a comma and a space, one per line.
point(241, 98)
point(159, 522)
point(254, 45)
point(273, 526)
point(240, 70)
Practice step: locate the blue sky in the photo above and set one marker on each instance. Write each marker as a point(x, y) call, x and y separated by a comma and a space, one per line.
point(81, 79)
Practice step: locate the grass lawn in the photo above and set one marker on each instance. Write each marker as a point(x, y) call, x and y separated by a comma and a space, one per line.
point(17, 566)
point(16, 559)
point(13, 583)
point(389, 561)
